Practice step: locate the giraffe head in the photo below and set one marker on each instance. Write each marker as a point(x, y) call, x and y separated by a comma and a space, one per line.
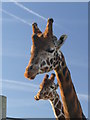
point(44, 51)
point(47, 88)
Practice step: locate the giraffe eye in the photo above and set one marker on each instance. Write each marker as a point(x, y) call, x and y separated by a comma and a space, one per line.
point(52, 87)
point(50, 51)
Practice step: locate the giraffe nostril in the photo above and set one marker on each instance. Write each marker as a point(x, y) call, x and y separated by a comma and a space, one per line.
point(31, 67)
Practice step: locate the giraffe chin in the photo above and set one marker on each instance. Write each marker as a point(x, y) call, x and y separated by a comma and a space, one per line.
point(31, 78)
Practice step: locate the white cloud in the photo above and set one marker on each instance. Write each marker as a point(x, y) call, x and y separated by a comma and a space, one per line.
point(17, 18)
point(79, 63)
point(19, 86)
point(38, 15)
point(83, 97)
point(28, 87)
point(14, 86)
point(28, 10)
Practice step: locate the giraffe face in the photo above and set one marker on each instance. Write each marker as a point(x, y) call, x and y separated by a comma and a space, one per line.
point(45, 54)
point(47, 89)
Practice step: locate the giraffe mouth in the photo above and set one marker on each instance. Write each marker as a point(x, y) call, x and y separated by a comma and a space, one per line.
point(30, 77)
point(36, 98)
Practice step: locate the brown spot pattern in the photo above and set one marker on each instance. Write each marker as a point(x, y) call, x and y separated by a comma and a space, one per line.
point(55, 101)
point(57, 111)
point(59, 105)
point(48, 61)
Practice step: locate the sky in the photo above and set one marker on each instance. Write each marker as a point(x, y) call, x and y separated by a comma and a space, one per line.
point(17, 18)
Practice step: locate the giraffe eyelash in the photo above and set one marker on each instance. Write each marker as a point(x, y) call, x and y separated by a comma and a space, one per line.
point(50, 51)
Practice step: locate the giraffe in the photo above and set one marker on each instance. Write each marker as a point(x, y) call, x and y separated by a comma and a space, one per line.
point(46, 56)
point(48, 92)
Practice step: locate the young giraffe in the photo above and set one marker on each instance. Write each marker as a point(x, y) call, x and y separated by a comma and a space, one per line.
point(48, 92)
point(46, 56)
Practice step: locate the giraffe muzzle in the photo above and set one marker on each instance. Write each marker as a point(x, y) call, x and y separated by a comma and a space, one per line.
point(36, 98)
point(30, 72)
point(29, 76)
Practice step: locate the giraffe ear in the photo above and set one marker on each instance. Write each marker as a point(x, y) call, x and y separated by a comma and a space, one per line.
point(61, 41)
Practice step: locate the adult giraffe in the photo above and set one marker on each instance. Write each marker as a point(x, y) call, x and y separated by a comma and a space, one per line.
point(46, 56)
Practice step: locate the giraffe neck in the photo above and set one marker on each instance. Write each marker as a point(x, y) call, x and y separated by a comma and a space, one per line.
point(57, 107)
point(71, 104)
